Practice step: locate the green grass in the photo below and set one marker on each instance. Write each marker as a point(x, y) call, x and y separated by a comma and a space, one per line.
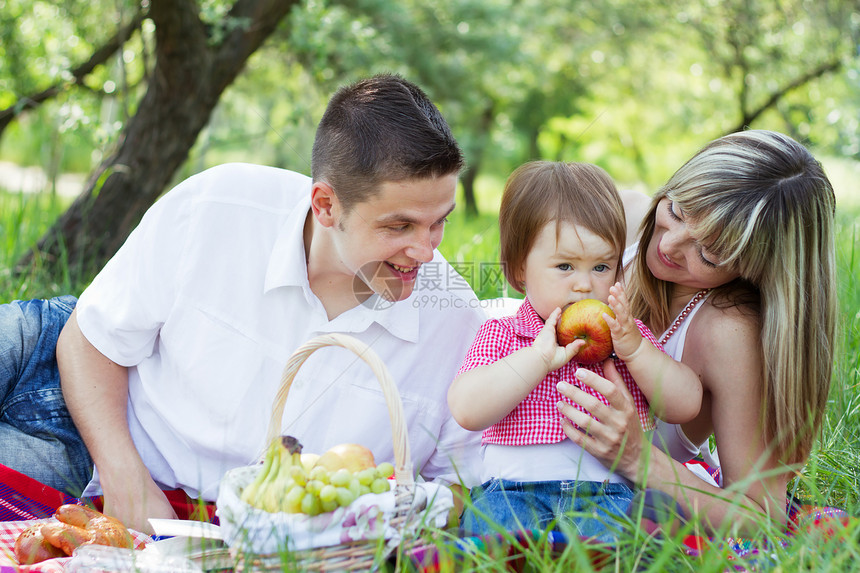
point(472, 246)
point(23, 220)
point(834, 470)
point(831, 477)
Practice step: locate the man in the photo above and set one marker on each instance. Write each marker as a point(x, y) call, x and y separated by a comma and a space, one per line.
point(171, 360)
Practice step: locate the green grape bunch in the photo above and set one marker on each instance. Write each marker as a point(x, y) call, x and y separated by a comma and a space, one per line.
point(286, 485)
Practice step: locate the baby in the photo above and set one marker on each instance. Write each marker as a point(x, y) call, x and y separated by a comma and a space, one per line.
point(562, 231)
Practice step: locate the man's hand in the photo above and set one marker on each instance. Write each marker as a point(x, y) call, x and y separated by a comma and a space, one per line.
point(134, 502)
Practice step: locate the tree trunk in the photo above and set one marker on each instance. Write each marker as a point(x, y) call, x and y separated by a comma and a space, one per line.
point(468, 181)
point(482, 136)
point(189, 77)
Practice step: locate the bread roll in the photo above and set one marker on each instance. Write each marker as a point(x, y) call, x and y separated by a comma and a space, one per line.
point(75, 525)
point(31, 546)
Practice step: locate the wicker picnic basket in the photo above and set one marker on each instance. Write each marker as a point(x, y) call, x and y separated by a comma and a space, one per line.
point(406, 518)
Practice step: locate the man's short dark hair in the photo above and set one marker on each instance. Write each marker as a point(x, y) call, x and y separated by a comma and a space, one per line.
point(381, 129)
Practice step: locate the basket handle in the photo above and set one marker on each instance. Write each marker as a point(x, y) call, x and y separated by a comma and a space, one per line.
point(400, 438)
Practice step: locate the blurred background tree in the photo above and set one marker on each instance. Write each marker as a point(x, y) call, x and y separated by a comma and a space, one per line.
point(140, 94)
point(187, 61)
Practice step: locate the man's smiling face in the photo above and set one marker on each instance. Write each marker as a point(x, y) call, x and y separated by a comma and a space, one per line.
point(386, 239)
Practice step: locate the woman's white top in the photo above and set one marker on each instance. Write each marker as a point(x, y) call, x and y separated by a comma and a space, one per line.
point(671, 437)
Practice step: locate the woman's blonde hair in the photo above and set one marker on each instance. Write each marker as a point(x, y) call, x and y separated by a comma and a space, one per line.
point(767, 209)
point(538, 192)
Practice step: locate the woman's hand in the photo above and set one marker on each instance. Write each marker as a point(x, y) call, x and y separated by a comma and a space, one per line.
point(615, 437)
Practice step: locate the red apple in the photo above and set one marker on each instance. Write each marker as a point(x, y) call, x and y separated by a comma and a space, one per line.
point(584, 320)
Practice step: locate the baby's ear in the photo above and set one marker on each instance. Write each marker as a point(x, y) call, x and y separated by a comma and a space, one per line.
point(520, 276)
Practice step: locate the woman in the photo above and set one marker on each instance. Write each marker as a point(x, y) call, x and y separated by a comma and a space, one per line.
point(735, 266)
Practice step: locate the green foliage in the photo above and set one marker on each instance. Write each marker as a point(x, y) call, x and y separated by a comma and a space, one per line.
point(215, 14)
point(42, 42)
point(472, 244)
point(635, 86)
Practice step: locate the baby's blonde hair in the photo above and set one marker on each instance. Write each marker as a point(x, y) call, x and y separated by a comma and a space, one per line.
point(539, 192)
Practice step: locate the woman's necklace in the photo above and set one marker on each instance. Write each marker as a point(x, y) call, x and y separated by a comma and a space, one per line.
point(684, 313)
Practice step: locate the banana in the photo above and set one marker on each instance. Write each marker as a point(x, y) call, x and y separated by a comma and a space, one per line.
point(262, 495)
point(271, 492)
point(292, 448)
point(291, 458)
point(249, 494)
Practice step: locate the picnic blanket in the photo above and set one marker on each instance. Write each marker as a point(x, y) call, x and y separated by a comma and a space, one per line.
point(23, 498)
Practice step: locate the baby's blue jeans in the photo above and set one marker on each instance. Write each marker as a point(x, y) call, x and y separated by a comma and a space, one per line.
point(588, 509)
point(37, 435)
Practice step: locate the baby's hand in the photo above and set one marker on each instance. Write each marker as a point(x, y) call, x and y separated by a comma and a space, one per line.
point(546, 343)
point(626, 338)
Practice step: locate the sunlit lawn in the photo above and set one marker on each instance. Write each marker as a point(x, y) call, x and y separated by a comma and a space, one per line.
point(23, 219)
point(832, 476)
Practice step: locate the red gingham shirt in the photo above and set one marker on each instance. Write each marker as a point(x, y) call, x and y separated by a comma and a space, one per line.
point(536, 420)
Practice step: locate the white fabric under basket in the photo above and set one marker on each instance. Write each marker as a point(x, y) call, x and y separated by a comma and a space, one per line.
point(369, 517)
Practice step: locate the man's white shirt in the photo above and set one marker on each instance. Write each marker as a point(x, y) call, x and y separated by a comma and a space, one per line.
point(207, 300)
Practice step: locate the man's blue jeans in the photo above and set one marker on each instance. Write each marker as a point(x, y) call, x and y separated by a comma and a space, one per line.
point(37, 435)
point(588, 509)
